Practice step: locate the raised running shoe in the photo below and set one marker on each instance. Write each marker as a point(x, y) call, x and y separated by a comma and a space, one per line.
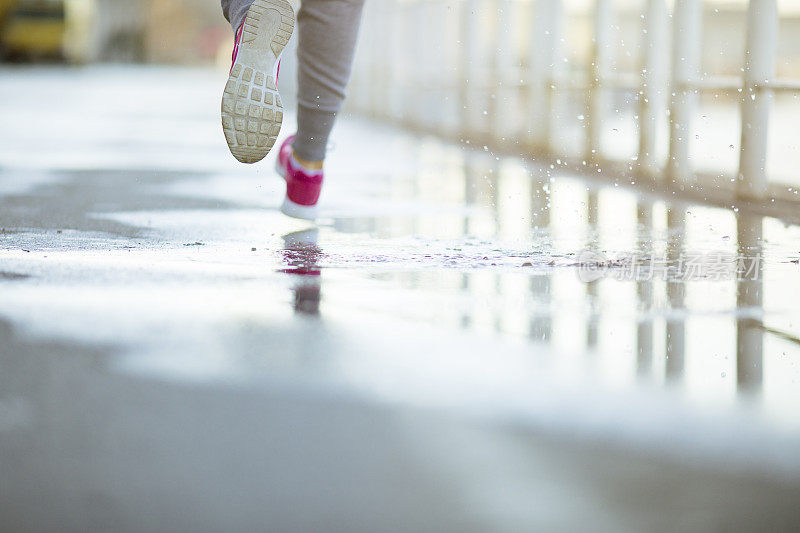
point(251, 106)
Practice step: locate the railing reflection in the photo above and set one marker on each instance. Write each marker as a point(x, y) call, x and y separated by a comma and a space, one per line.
point(556, 304)
point(750, 299)
point(676, 294)
point(644, 292)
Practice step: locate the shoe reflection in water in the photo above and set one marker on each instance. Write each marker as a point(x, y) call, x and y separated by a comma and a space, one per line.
point(301, 255)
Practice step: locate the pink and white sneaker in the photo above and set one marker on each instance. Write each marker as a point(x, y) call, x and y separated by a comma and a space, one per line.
point(251, 106)
point(303, 186)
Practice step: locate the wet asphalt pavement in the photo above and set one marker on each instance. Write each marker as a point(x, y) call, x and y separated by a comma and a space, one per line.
point(462, 343)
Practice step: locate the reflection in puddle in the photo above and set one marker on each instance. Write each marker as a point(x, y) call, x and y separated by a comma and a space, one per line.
point(301, 256)
point(682, 295)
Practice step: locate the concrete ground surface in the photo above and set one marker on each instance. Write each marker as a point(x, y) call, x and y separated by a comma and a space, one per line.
point(176, 355)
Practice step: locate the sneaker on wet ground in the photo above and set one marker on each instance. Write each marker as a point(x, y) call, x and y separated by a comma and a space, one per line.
point(303, 186)
point(251, 106)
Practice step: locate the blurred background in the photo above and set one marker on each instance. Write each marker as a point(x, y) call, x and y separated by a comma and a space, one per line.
point(438, 352)
point(508, 59)
point(193, 32)
point(129, 31)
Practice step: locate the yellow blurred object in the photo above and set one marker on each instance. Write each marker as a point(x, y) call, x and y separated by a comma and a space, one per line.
point(80, 19)
point(32, 28)
point(5, 7)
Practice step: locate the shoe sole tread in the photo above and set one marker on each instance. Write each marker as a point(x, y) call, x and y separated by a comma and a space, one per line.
point(252, 111)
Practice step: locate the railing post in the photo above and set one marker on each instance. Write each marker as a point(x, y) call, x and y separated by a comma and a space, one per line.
point(419, 103)
point(542, 56)
point(471, 93)
point(396, 72)
point(686, 19)
point(503, 65)
point(654, 75)
point(762, 43)
point(377, 54)
point(598, 76)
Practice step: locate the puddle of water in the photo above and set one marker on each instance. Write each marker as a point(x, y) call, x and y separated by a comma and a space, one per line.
point(631, 291)
point(693, 298)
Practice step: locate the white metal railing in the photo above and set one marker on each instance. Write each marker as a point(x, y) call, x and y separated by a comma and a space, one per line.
point(447, 67)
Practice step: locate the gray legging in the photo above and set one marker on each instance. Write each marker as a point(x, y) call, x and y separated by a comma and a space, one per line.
point(327, 31)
